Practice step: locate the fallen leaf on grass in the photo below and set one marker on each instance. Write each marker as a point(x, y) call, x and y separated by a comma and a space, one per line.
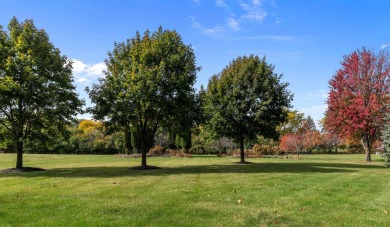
point(386, 212)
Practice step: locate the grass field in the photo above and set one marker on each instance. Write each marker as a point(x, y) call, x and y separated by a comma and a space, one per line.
point(82, 190)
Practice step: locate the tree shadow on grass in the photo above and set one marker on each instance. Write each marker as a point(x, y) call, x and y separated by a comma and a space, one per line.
point(112, 171)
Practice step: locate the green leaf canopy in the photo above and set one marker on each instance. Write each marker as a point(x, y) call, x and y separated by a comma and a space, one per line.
point(36, 89)
point(247, 99)
point(148, 84)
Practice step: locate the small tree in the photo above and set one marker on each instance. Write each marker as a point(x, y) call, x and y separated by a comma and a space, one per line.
point(290, 142)
point(36, 89)
point(247, 99)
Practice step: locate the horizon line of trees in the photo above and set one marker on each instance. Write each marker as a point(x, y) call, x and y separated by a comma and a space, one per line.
point(91, 137)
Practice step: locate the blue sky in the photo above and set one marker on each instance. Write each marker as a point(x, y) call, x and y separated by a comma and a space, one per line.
point(304, 39)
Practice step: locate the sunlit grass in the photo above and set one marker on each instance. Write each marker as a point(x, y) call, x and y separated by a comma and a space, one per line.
point(86, 190)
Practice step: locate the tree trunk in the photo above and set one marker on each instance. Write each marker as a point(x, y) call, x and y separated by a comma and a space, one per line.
point(367, 145)
point(144, 151)
point(19, 154)
point(368, 155)
point(143, 164)
point(147, 140)
point(242, 151)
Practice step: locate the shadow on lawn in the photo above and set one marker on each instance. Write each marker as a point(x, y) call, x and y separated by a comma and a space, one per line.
point(112, 172)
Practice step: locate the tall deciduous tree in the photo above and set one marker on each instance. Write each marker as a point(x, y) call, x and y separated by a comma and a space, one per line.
point(36, 90)
point(148, 84)
point(247, 99)
point(357, 97)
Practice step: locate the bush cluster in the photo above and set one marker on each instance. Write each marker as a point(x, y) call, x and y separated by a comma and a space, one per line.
point(263, 149)
point(157, 150)
point(178, 153)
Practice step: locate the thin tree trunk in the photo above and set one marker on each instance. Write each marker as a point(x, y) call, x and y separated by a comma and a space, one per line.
point(368, 156)
point(143, 164)
point(242, 151)
point(19, 154)
point(144, 151)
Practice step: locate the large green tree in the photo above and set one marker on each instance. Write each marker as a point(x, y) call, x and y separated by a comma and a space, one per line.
point(247, 99)
point(148, 85)
point(36, 89)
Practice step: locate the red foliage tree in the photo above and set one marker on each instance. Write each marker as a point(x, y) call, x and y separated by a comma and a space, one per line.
point(357, 97)
point(290, 142)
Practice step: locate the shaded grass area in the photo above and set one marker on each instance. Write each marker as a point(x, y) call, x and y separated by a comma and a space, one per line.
point(318, 190)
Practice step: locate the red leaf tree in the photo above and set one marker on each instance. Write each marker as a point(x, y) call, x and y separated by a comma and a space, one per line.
point(290, 142)
point(357, 97)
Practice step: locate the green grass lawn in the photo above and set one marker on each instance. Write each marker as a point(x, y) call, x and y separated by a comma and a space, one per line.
point(83, 190)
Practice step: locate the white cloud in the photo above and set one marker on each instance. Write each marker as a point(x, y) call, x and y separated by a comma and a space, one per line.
point(316, 112)
point(385, 45)
point(97, 69)
point(273, 4)
point(94, 70)
point(78, 66)
point(233, 24)
point(256, 2)
point(82, 80)
point(221, 3)
point(254, 10)
point(317, 94)
point(203, 29)
point(197, 2)
point(275, 38)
